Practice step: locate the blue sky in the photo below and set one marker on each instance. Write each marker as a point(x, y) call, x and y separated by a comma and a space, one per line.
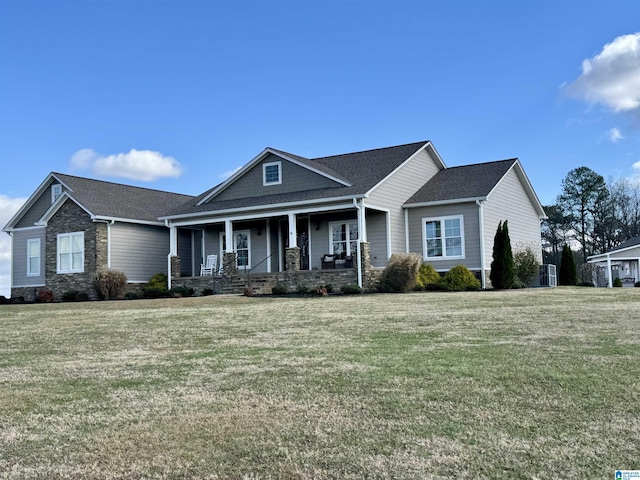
point(175, 95)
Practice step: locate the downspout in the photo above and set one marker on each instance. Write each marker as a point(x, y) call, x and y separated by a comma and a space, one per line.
point(359, 261)
point(406, 231)
point(109, 242)
point(480, 204)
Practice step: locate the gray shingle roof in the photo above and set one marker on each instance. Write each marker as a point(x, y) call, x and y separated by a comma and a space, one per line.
point(632, 242)
point(363, 170)
point(467, 181)
point(121, 201)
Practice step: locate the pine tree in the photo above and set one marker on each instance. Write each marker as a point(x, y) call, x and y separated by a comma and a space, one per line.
point(496, 264)
point(568, 273)
point(502, 268)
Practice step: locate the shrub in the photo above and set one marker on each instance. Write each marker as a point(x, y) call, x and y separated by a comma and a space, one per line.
point(322, 291)
point(459, 278)
point(131, 296)
point(153, 292)
point(526, 266)
point(586, 284)
point(44, 296)
point(401, 272)
point(3, 300)
point(329, 287)
point(159, 280)
point(248, 292)
point(181, 291)
point(502, 269)
point(109, 284)
point(568, 274)
point(207, 291)
point(617, 282)
point(302, 289)
point(351, 289)
point(279, 289)
point(517, 283)
point(427, 276)
point(70, 296)
point(18, 299)
point(637, 284)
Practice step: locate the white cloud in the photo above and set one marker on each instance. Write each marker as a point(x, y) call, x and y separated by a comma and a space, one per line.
point(612, 77)
point(8, 208)
point(614, 135)
point(228, 173)
point(145, 165)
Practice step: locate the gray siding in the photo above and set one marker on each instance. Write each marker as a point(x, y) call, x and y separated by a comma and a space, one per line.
point(140, 251)
point(397, 189)
point(185, 252)
point(294, 179)
point(469, 211)
point(377, 237)
point(625, 254)
point(509, 201)
point(41, 205)
point(19, 258)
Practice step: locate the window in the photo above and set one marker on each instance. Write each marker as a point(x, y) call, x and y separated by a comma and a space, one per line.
point(71, 252)
point(56, 191)
point(271, 173)
point(343, 239)
point(33, 257)
point(242, 248)
point(443, 237)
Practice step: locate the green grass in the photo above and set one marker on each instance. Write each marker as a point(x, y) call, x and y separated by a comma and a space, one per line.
point(518, 384)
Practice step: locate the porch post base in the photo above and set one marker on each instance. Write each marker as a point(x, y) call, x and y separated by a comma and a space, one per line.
point(292, 259)
point(175, 266)
point(229, 265)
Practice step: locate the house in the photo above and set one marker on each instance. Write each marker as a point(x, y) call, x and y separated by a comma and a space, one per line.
point(280, 218)
point(621, 262)
point(70, 227)
point(282, 213)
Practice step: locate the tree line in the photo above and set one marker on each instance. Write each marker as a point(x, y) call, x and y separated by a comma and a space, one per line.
point(589, 212)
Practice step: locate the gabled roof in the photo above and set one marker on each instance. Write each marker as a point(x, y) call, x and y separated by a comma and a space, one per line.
point(471, 182)
point(107, 200)
point(360, 172)
point(629, 244)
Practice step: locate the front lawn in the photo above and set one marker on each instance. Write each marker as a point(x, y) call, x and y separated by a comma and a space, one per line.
point(519, 384)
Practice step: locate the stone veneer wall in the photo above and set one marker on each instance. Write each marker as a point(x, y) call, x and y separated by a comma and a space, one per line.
point(68, 219)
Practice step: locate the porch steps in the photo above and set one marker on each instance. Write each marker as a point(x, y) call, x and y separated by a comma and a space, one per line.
point(259, 283)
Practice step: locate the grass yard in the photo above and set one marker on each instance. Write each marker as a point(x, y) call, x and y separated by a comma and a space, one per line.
point(518, 384)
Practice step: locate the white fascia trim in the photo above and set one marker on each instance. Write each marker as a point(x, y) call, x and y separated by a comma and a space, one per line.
point(603, 256)
point(217, 213)
point(424, 147)
point(32, 199)
point(528, 188)
point(27, 286)
point(374, 207)
point(254, 161)
point(56, 206)
point(22, 229)
point(445, 202)
point(252, 216)
point(100, 218)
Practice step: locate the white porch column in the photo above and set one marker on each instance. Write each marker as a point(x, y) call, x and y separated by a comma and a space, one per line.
point(228, 233)
point(173, 241)
point(293, 233)
point(362, 222)
point(609, 279)
point(267, 232)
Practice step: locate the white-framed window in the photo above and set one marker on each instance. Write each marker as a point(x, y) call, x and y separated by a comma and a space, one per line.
point(70, 252)
point(56, 191)
point(33, 257)
point(443, 237)
point(241, 247)
point(272, 173)
point(343, 238)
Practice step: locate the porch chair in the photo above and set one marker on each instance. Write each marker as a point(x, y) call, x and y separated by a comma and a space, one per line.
point(209, 268)
point(328, 261)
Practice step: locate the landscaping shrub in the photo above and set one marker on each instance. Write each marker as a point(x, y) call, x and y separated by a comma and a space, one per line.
point(637, 284)
point(517, 283)
point(109, 284)
point(154, 292)
point(568, 274)
point(207, 291)
point(181, 291)
point(70, 296)
point(3, 300)
point(586, 284)
point(617, 282)
point(459, 278)
point(248, 292)
point(526, 266)
point(322, 291)
point(427, 277)
point(44, 296)
point(401, 272)
point(502, 269)
point(351, 289)
point(302, 289)
point(132, 296)
point(329, 288)
point(159, 280)
point(279, 289)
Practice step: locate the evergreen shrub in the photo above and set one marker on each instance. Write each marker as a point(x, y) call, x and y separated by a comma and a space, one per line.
point(401, 272)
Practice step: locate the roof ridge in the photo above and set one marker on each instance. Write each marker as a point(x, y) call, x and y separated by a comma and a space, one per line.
point(482, 163)
point(122, 184)
point(370, 150)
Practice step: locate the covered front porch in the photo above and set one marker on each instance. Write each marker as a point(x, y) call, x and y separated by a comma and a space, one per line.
point(606, 272)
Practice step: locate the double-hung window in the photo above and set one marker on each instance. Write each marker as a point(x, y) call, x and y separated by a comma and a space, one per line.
point(33, 257)
point(443, 237)
point(344, 238)
point(56, 191)
point(272, 173)
point(70, 252)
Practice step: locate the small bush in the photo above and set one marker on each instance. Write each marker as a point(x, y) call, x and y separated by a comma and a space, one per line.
point(279, 289)
point(18, 299)
point(70, 296)
point(322, 291)
point(302, 289)
point(44, 296)
point(109, 284)
point(159, 280)
point(207, 291)
point(248, 292)
point(459, 278)
point(617, 282)
point(3, 300)
point(329, 288)
point(517, 283)
point(132, 296)
point(153, 292)
point(526, 266)
point(351, 289)
point(401, 272)
point(181, 291)
point(427, 275)
point(586, 284)
point(637, 284)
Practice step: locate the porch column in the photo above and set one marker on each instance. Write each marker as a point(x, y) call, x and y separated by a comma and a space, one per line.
point(173, 261)
point(362, 222)
point(609, 279)
point(293, 233)
point(228, 233)
point(267, 232)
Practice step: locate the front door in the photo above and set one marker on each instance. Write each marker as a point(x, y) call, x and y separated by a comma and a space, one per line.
point(302, 226)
